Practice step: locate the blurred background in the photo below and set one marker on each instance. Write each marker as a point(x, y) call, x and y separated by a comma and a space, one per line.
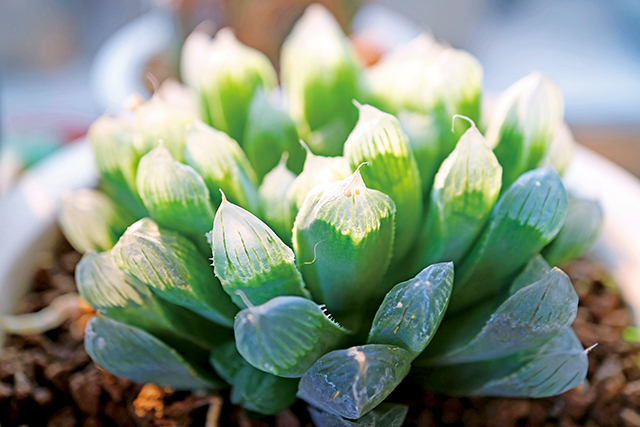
point(64, 62)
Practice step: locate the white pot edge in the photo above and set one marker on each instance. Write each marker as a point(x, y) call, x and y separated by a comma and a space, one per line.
point(28, 215)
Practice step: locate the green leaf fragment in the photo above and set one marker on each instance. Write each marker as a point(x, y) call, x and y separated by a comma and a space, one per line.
point(526, 119)
point(525, 320)
point(320, 76)
point(343, 237)
point(350, 383)
point(91, 220)
point(227, 362)
point(579, 232)
point(223, 166)
point(561, 149)
point(269, 133)
point(174, 194)
point(465, 190)
point(412, 311)
point(385, 415)
point(535, 270)
point(131, 353)
point(553, 368)
point(286, 335)
point(263, 393)
point(274, 204)
point(250, 260)
point(174, 269)
point(524, 220)
point(379, 140)
point(229, 76)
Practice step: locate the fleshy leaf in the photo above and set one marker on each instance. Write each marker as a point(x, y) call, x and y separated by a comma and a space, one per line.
point(412, 311)
point(465, 190)
point(317, 170)
point(555, 367)
point(131, 353)
point(117, 160)
point(579, 232)
point(174, 194)
point(527, 117)
point(227, 362)
point(320, 78)
point(223, 166)
point(535, 270)
point(525, 320)
point(269, 133)
point(249, 257)
point(174, 269)
point(261, 392)
point(229, 76)
point(524, 220)
point(286, 335)
point(560, 151)
point(385, 415)
point(350, 383)
point(343, 237)
point(273, 200)
point(423, 134)
point(379, 140)
point(91, 220)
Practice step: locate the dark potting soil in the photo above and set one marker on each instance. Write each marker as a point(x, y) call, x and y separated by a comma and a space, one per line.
point(48, 379)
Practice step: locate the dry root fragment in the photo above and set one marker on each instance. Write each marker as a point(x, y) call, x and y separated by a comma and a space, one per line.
point(60, 309)
point(151, 398)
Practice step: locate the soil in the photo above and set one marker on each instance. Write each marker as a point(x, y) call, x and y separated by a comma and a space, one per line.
point(48, 379)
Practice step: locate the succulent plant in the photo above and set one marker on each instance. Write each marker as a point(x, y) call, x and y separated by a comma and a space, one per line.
point(398, 249)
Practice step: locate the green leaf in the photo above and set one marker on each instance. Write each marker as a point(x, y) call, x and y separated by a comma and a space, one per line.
point(261, 392)
point(525, 320)
point(317, 170)
point(525, 121)
point(524, 220)
point(158, 122)
point(350, 383)
point(579, 232)
point(174, 194)
point(379, 140)
point(412, 311)
point(223, 166)
point(555, 367)
point(228, 79)
point(385, 415)
point(465, 190)
point(227, 362)
point(250, 260)
point(117, 160)
point(269, 133)
point(174, 269)
point(343, 237)
point(535, 270)
point(320, 75)
point(286, 335)
point(273, 200)
point(91, 220)
point(423, 134)
point(131, 353)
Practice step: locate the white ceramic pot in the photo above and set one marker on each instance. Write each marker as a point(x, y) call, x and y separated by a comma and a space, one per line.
point(28, 215)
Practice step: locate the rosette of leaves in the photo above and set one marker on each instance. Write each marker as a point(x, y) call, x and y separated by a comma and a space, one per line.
point(212, 264)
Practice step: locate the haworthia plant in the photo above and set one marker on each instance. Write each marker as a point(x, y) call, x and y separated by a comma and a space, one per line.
point(431, 247)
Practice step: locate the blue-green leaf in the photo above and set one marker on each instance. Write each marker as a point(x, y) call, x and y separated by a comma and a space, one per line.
point(412, 311)
point(131, 353)
point(286, 335)
point(174, 194)
point(227, 362)
point(249, 257)
point(379, 140)
point(352, 382)
point(527, 319)
point(343, 238)
point(579, 232)
point(385, 415)
point(524, 220)
point(261, 392)
point(223, 166)
point(549, 370)
point(535, 270)
point(91, 220)
point(174, 269)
